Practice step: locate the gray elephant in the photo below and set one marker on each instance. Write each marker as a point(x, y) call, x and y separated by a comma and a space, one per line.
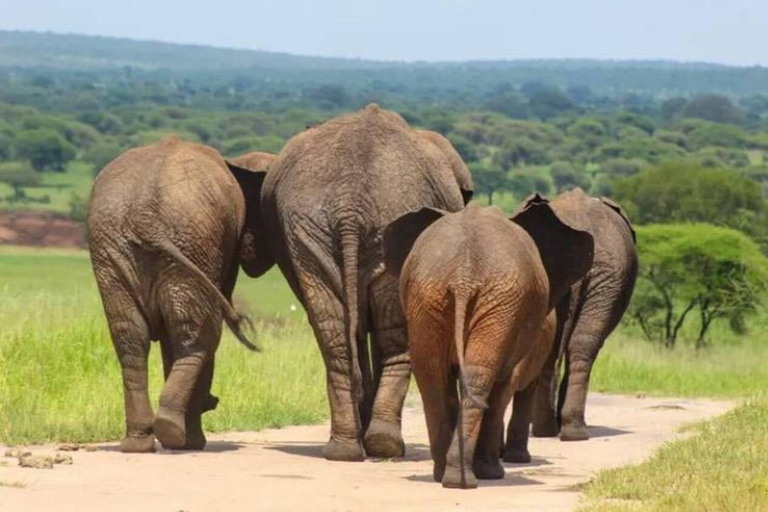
point(479, 292)
point(164, 231)
point(587, 314)
point(325, 203)
point(460, 170)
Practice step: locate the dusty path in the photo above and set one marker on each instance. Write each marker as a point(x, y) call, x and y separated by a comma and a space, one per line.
point(283, 470)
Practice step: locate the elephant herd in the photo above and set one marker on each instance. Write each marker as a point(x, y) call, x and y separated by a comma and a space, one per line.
point(370, 223)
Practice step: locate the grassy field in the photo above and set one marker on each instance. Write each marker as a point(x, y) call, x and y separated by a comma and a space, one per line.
point(59, 187)
point(60, 380)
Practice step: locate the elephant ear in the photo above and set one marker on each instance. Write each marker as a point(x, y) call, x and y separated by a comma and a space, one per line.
point(402, 233)
point(618, 209)
point(255, 255)
point(566, 253)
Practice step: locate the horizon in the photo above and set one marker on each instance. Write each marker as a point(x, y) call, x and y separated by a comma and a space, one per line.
point(606, 60)
point(460, 31)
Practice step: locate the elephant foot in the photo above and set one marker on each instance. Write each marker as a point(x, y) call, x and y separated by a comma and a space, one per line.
point(574, 433)
point(438, 471)
point(344, 451)
point(512, 454)
point(488, 470)
point(169, 427)
point(138, 444)
point(195, 438)
point(384, 440)
point(456, 478)
point(210, 402)
point(545, 428)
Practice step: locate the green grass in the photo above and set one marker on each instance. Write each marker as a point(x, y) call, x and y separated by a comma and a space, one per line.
point(60, 380)
point(723, 466)
point(628, 365)
point(59, 187)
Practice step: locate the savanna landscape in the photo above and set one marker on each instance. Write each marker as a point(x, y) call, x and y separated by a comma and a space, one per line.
point(682, 147)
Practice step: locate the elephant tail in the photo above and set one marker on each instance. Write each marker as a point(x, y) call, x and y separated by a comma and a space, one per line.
point(233, 319)
point(350, 255)
point(460, 311)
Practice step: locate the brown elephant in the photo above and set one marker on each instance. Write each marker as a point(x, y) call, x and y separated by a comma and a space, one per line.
point(587, 314)
point(479, 291)
point(164, 230)
point(325, 203)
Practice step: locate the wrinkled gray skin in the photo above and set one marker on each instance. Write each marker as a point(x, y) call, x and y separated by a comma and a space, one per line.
point(164, 231)
point(459, 168)
point(325, 203)
point(586, 315)
point(479, 292)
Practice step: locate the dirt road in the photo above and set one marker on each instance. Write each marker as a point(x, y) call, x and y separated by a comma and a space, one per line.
point(282, 469)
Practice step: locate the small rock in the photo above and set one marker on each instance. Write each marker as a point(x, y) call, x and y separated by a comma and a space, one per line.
point(62, 458)
point(640, 395)
point(69, 447)
point(36, 461)
point(91, 448)
point(16, 453)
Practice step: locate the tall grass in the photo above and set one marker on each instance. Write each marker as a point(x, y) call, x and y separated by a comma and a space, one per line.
point(60, 380)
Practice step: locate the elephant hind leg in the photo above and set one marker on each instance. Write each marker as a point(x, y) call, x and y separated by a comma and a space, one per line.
point(486, 464)
point(580, 357)
point(193, 322)
point(326, 313)
point(131, 339)
point(384, 437)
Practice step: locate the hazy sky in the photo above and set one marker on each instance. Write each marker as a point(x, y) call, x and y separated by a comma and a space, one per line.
point(726, 31)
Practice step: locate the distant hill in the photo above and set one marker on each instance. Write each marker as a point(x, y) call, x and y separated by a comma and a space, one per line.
point(25, 51)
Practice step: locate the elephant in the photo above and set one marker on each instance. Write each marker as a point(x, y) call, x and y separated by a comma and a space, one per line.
point(164, 230)
point(479, 292)
point(587, 314)
point(325, 203)
point(255, 161)
point(460, 170)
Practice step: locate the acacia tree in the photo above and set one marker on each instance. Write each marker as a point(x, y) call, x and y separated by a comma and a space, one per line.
point(489, 179)
point(683, 268)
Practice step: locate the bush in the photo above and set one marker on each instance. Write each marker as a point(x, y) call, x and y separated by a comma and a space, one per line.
point(102, 154)
point(18, 175)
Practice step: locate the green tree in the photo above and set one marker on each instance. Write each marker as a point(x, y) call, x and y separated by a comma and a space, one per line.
point(687, 267)
point(18, 175)
point(102, 154)
point(566, 176)
point(45, 149)
point(713, 134)
point(488, 179)
point(715, 108)
point(468, 150)
point(686, 191)
point(5, 147)
point(645, 148)
point(521, 151)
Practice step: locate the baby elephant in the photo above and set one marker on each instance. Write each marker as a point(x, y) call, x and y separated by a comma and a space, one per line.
point(478, 291)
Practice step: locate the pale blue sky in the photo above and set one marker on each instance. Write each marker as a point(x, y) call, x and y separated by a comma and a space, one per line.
point(725, 31)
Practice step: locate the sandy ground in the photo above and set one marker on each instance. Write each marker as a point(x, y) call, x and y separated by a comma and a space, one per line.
point(282, 469)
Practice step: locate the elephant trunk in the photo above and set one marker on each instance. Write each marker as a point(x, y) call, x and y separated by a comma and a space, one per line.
point(350, 247)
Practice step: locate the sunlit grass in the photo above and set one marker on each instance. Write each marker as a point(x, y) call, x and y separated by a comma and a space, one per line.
point(723, 466)
point(60, 380)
